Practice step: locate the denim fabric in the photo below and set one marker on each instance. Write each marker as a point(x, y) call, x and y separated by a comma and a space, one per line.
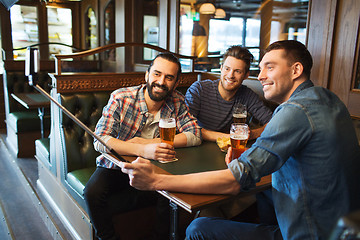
point(206, 228)
point(108, 193)
point(311, 149)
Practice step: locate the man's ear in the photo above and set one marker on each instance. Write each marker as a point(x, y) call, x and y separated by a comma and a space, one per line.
point(247, 75)
point(146, 76)
point(297, 70)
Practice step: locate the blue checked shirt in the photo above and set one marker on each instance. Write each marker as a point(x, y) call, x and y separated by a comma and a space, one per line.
point(126, 113)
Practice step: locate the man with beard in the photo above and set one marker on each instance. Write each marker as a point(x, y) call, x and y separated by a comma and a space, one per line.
point(212, 101)
point(129, 125)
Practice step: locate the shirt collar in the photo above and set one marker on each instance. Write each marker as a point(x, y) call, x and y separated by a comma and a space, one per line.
point(143, 106)
point(304, 85)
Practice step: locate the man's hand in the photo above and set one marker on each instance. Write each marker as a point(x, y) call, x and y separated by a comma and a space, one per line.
point(228, 156)
point(211, 136)
point(158, 151)
point(141, 174)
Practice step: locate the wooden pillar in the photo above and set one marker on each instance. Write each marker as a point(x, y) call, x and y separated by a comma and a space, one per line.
point(265, 27)
point(6, 31)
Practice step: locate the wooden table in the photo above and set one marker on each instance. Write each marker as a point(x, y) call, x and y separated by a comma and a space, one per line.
point(206, 157)
point(32, 101)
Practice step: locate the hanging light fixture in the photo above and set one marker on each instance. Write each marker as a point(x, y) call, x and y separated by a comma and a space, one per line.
point(207, 8)
point(220, 13)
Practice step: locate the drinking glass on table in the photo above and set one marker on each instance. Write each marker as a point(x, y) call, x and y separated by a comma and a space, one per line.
point(239, 113)
point(167, 127)
point(239, 135)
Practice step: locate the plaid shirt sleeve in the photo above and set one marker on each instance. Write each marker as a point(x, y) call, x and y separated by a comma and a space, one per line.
point(109, 122)
point(121, 116)
point(120, 119)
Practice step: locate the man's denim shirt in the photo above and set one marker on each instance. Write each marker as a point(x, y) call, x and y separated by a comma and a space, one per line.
point(311, 149)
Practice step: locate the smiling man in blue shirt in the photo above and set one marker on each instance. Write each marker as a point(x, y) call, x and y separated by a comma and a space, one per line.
point(212, 101)
point(309, 146)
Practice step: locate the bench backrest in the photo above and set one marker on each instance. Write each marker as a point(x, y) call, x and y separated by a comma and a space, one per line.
point(15, 81)
point(87, 107)
point(85, 95)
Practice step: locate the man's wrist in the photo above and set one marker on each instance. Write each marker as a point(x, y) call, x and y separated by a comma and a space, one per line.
point(158, 179)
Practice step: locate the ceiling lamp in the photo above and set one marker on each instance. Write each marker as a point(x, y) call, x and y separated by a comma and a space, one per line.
point(207, 8)
point(220, 13)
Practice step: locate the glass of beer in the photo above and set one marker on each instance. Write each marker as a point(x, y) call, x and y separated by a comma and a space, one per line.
point(167, 127)
point(239, 135)
point(239, 113)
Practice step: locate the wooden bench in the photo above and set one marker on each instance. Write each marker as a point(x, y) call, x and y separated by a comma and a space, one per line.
point(23, 125)
point(71, 148)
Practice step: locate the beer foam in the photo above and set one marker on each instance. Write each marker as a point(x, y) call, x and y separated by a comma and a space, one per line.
point(239, 115)
point(166, 123)
point(239, 137)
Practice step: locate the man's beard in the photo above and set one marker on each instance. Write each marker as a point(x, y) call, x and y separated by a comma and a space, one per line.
point(158, 97)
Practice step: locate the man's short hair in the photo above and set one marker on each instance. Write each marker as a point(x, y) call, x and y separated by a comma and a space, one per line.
point(171, 58)
point(240, 53)
point(295, 51)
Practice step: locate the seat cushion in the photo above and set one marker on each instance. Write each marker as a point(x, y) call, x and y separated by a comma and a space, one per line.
point(77, 179)
point(27, 121)
point(42, 150)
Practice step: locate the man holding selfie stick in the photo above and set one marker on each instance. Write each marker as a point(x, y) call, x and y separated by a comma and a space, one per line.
point(309, 146)
point(130, 125)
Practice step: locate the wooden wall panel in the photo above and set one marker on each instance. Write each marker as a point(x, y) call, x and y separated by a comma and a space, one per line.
point(333, 29)
point(354, 104)
point(344, 49)
point(319, 41)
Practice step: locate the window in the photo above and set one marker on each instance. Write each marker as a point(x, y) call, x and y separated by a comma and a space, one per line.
point(150, 27)
point(24, 28)
point(110, 30)
point(242, 25)
point(223, 33)
point(60, 29)
point(187, 17)
point(90, 29)
point(26, 22)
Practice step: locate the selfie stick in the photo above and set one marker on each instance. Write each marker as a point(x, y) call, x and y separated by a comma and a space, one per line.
point(32, 64)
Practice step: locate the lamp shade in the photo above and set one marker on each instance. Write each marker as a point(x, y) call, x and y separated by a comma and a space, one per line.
point(220, 13)
point(207, 8)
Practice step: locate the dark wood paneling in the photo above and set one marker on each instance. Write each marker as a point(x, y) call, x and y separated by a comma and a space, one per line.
point(5, 28)
point(344, 52)
point(88, 82)
point(319, 40)
point(333, 29)
point(354, 103)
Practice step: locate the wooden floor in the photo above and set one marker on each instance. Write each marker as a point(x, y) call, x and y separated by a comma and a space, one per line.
point(23, 213)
